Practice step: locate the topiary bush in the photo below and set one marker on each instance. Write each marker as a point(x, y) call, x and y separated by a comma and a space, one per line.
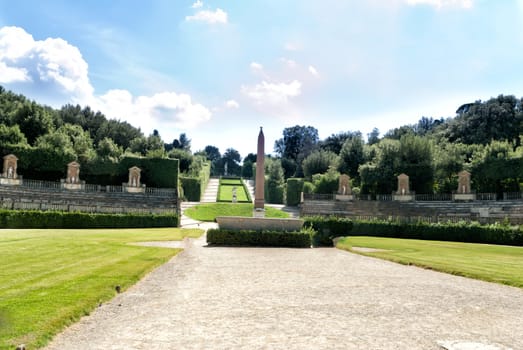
point(299, 239)
point(327, 228)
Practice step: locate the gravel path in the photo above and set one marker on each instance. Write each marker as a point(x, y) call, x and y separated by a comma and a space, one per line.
point(256, 298)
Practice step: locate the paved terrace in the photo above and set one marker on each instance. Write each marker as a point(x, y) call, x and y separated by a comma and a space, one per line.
point(260, 298)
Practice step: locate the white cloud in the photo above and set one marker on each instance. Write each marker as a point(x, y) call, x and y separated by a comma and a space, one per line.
point(53, 69)
point(159, 111)
point(313, 71)
point(198, 4)
point(272, 93)
point(466, 4)
point(255, 66)
point(211, 17)
point(12, 74)
point(52, 64)
point(232, 104)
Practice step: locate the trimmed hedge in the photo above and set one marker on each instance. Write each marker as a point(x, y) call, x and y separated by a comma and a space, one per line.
point(327, 228)
point(59, 219)
point(192, 189)
point(299, 239)
point(294, 189)
point(456, 232)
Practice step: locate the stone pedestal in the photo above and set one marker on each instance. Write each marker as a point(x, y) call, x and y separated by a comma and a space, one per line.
point(78, 186)
point(464, 197)
point(11, 182)
point(133, 189)
point(344, 197)
point(258, 213)
point(403, 197)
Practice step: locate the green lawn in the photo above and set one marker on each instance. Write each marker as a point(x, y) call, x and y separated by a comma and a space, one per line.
point(209, 211)
point(50, 278)
point(493, 263)
point(226, 189)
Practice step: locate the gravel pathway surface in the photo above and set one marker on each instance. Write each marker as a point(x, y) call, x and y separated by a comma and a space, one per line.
point(266, 298)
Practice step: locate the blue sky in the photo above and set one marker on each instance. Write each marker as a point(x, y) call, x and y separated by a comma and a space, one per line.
point(218, 70)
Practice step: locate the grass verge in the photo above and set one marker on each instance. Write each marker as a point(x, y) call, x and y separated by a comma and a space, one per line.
point(209, 211)
point(492, 263)
point(226, 190)
point(50, 278)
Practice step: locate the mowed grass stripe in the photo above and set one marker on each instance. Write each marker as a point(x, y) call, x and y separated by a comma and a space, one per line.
point(50, 278)
point(492, 263)
point(209, 211)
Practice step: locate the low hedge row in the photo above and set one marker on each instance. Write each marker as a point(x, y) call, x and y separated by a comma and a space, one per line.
point(457, 232)
point(59, 219)
point(298, 239)
point(327, 228)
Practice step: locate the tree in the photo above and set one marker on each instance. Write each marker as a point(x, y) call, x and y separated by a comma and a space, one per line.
point(185, 158)
point(250, 157)
point(297, 142)
point(183, 142)
point(275, 186)
point(155, 146)
point(34, 120)
point(107, 149)
point(212, 154)
point(351, 156)
point(416, 160)
point(326, 183)
point(11, 135)
point(80, 140)
point(318, 162)
point(378, 175)
point(232, 158)
point(335, 142)
point(499, 118)
point(373, 137)
point(122, 133)
point(138, 145)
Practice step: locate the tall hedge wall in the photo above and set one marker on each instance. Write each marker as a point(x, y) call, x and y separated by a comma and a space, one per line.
point(51, 165)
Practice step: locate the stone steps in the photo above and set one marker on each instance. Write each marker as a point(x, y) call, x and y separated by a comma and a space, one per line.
point(211, 191)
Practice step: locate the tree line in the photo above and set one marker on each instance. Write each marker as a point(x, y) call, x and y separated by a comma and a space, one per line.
point(485, 138)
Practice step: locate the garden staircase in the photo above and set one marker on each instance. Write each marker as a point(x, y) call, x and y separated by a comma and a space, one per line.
point(211, 191)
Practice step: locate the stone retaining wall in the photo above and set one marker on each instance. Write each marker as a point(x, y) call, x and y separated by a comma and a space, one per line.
point(433, 211)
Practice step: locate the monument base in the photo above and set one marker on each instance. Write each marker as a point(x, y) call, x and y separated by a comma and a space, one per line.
point(466, 197)
point(73, 187)
point(10, 182)
point(130, 189)
point(258, 213)
point(344, 197)
point(403, 197)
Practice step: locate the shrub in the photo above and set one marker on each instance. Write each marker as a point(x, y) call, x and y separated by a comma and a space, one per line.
point(298, 239)
point(59, 219)
point(294, 189)
point(191, 188)
point(327, 228)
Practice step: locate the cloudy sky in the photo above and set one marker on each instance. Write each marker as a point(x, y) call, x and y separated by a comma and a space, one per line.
point(218, 70)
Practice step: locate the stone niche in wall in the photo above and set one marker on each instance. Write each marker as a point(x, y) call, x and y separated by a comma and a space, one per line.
point(9, 176)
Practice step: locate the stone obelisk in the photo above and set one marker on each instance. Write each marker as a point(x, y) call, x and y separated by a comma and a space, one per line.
point(259, 197)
